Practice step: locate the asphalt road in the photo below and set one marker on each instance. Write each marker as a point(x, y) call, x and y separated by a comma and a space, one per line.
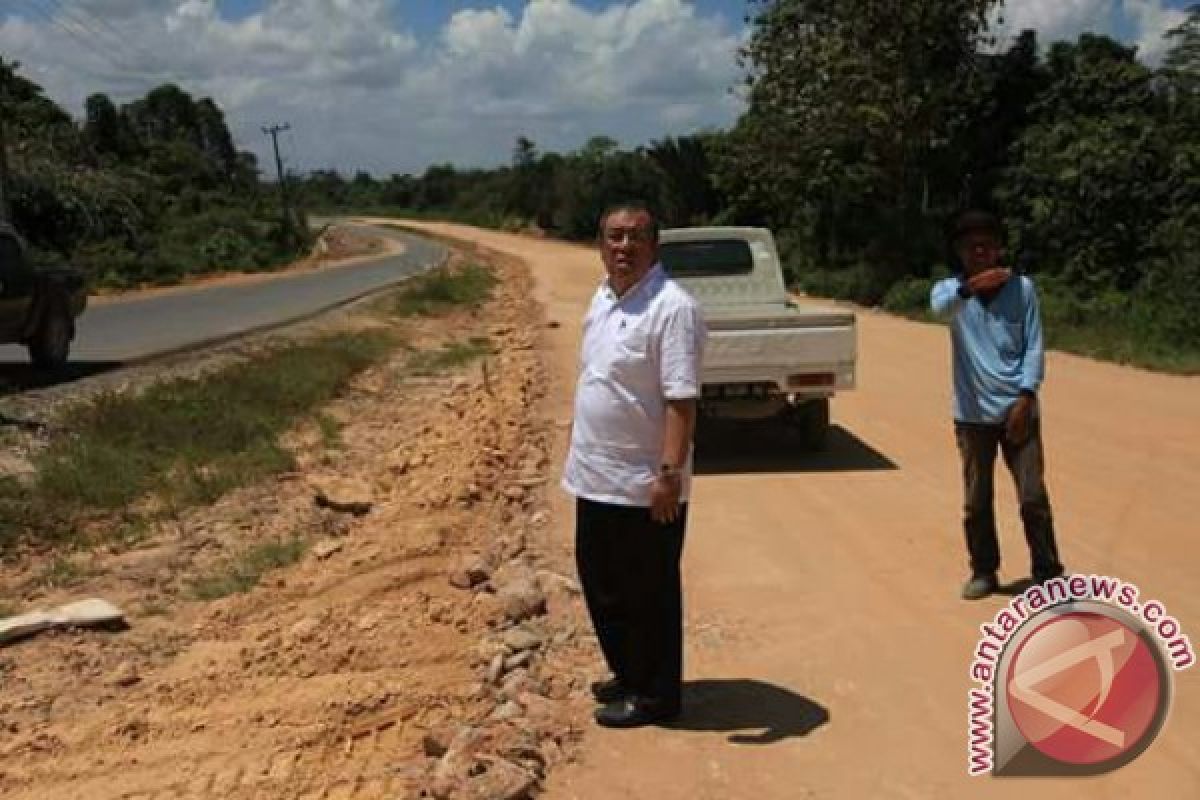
point(135, 328)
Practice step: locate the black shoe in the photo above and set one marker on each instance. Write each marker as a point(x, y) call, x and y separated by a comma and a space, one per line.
point(1042, 579)
point(608, 691)
point(980, 586)
point(634, 712)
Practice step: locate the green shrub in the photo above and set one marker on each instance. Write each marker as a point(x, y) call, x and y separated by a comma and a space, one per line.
point(227, 249)
point(909, 296)
point(858, 283)
point(441, 289)
point(243, 574)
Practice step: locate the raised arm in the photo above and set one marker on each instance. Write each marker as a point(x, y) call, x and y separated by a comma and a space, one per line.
point(1033, 365)
point(947, 296)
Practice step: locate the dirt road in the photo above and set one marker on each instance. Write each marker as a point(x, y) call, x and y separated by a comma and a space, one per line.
point(828, 650)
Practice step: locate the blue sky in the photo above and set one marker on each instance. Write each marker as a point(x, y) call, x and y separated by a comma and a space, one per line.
point(428, 16)
point(397, 85)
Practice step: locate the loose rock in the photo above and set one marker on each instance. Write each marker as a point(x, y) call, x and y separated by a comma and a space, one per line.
point(518, 639)
point(342, 494)
point(124, 675)
point(325, 549)
point(521, 600)
point(506, 711)
point(501, 780)
point(495, 669)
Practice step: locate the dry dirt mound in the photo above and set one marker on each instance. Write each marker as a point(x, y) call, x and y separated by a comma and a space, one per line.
point(426, 647)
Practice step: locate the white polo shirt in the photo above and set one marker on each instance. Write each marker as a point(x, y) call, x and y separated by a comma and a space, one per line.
point(638, 351)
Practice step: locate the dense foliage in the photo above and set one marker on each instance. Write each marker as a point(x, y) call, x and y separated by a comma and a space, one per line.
point(560, 193)
point(148, 192)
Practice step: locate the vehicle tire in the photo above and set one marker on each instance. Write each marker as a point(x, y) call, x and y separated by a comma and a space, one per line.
point(51, 342)
point(810, 423)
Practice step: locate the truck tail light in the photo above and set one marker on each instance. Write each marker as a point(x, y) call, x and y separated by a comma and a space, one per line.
point(810, 379)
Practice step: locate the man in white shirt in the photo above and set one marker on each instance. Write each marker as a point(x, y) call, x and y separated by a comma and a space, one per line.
point(629, 467)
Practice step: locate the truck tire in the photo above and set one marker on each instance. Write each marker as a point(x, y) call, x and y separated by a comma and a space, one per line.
point(809, 423)
point(51, 342)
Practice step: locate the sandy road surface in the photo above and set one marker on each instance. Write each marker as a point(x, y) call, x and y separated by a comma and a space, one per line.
point(828, 585)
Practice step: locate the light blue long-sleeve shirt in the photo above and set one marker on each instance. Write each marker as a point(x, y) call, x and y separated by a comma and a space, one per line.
point(998, 347)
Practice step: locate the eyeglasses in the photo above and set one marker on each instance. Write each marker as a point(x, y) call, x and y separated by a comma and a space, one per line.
point(972, 244)
point(633, 235)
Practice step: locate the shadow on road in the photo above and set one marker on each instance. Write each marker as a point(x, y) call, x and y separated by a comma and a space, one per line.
point(1014, 588)
point(18, 376)
point(723, 451)
point(752, 711)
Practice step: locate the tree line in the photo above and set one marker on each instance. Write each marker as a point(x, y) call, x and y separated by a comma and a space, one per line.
point(144, 193)
point(868, 126)
point(559, 193)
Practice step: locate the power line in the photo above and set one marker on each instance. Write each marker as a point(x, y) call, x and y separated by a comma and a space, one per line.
point(76, 33)
point(100, 28)
point(293, 151)
point(65, 26)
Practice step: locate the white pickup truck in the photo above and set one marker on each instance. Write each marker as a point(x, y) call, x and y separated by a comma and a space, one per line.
point(766, 357)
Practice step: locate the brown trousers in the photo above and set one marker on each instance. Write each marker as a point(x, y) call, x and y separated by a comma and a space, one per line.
point(977, 444)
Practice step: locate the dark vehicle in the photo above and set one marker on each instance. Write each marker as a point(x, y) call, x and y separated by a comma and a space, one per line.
point(38, 306)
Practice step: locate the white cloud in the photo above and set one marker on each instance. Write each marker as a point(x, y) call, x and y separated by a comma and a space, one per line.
point(362, 92)
point(1056, 19)
point(1139, 22)
point(1153, 21)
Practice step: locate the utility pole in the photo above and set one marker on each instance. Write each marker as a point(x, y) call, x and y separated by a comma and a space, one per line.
point(273, 131)
point(5, 212)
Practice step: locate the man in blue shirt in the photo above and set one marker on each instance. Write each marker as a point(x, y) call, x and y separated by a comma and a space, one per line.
point(999, 362)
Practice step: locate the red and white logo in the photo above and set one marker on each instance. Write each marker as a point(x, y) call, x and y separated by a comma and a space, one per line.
point(1084, 688)
point(1073, 677)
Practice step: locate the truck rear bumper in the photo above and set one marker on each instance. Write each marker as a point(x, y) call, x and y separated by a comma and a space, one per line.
point(810, 360)
point(723, 395)
point(809, 380)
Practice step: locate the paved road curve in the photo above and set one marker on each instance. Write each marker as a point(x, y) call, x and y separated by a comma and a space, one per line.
point(135, 328)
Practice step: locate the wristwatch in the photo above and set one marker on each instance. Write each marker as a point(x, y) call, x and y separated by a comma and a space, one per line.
point(669, 471)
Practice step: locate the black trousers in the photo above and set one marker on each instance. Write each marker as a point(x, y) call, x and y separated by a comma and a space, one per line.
point(629, 571)
point(977, 444)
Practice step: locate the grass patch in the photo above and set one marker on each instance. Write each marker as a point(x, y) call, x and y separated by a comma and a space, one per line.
point(186, 442)
point(441, 289)
point(455, 354)
point(244, 573)
point(153, 609)
point(330, 430)
point(63, 573)
point(192, 440)
point(131, 530)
